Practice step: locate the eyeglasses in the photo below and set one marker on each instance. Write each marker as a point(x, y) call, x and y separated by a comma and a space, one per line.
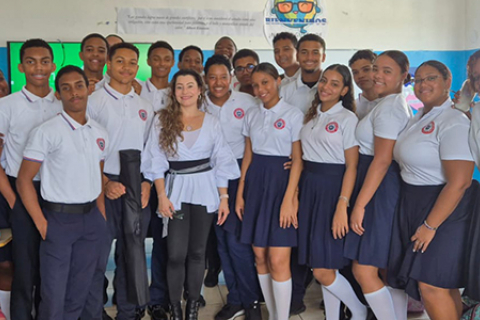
point(249, 68)
point(428, 80)
point(302, 6)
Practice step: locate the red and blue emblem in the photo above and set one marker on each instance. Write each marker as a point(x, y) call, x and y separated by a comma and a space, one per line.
point(428, 128)
point(279, 124)
point(101, 143)
point(332, 127)
point(143, 114)
point(239, 113)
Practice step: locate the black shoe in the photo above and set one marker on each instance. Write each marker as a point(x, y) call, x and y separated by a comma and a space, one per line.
point(157, 312)
point(191, 310)
point(201, 301)
point(211, 280)
point(105, 316)
point(176, 311)
point(229, 311)
point(139, 313)
point(253, 312)
point(297, 307)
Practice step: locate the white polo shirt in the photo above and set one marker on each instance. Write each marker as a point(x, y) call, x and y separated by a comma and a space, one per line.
point(286, 79)
point(272, 131)
point(326, 137)
point(231, 117)
point(386, 120)
point(474, 135)
point(299, 94)
point(99, 85)
point(20, 112)
point(441, 134)
point(127, 118)
point(159, 98)
point(70, 155)
point(364, 106)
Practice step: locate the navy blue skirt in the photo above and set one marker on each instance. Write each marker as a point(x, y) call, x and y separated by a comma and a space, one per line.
point(233, 224)
point(444, 263)
point(320, 186)
point(265, 185)
point(372, 248)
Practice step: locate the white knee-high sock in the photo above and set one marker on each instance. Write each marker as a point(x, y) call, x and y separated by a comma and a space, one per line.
point(283, 296)
point(5, 303)
point(400, 303)
point(381, 303)
point(332, 305)
point(342, 289)
point(267, 290)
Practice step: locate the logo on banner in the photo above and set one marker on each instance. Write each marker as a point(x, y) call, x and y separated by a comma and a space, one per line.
point(279, 124)
point(239, 113)
point(331, 127)
point(296, 16)
point(101, 143)
point(143, 115)
point(429, 128)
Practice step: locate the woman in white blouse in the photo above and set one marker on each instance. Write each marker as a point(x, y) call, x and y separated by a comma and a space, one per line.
point(188, 144)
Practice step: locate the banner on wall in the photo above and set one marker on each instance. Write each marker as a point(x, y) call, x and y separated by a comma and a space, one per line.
point(189, 21)
point(296, 16)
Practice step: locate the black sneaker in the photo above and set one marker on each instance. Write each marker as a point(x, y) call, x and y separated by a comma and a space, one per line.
point(139, 313)
point(253, 312)
point(105, 316)
point(157, 312)
point(229, 311)
point(211, 279)
point(297, 307)
point(201, 302)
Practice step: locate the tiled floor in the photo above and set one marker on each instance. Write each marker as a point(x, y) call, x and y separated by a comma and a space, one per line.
point(216, 297)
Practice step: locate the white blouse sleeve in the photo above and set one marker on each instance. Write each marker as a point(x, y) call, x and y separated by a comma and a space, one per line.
point(391, 118)
point(297, 124)
point(474, 135)
point(246, 124)
point(154, 160)
point(349, 138)
point(223, 161)
point(453, 142)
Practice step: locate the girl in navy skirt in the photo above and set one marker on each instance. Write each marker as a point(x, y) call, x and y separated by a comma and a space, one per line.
point(377, 186)
point(429, 241)
point(330, 155)
point(267, 199)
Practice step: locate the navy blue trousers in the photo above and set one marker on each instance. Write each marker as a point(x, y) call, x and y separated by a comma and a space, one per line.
point(68, 258)
point(238, 264)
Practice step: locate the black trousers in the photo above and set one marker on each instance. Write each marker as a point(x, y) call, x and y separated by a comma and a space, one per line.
point(25, 254)
point(187, 240)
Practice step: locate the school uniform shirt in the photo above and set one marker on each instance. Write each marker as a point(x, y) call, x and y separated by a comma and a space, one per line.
point(127, 119)
point(326, 137)
point(441, 134)
point(159, 98)
point(197, 188)
point(386, 120)
point(298, 94)
point(231, 117)
point(21, 112)
point(286, 79)
point(70, 154)
point(474, 135)
point(99, 85)
point(364, 106)
point(272, 131)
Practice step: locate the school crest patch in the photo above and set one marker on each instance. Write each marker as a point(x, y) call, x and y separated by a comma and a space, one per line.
point(143, 114)
point(428, 128)
point(332, 127)
point(279, 124)
point(101, 143)
point(239, 113)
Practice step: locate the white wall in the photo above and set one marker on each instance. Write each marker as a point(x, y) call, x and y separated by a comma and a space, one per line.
point(377, 24)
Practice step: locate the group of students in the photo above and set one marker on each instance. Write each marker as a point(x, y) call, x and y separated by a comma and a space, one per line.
point(292, 173)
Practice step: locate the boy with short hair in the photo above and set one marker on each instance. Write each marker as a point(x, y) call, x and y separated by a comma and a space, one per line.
point(285, 44)
point(19, 114)
point(243, 63)
point(68, 151)
point(93, 53)
point(191, 57)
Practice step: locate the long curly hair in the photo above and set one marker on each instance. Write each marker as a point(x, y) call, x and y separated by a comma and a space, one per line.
point(171, 116)
point(348, 100)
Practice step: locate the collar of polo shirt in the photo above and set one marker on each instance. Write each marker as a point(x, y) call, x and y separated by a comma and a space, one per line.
point(276, 108)
point(72, 123)
point(32, 98)
point(336, 108)
point(117, 95)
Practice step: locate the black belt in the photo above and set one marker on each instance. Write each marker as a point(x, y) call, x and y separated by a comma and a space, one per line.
point(186, 167)
point(70, 208)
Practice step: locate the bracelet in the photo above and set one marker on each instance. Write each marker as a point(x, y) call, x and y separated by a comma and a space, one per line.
point(224, 196)
point(428, 226)
point(344, 199)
